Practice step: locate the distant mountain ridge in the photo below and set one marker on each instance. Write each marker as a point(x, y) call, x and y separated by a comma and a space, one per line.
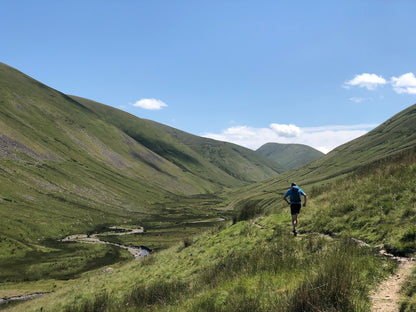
point(231, 158)
point(232, 162)
point(289, 155)
point(86, 164)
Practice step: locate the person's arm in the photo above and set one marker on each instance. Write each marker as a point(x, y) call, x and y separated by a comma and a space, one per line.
point(285, 198)
point(304, 196)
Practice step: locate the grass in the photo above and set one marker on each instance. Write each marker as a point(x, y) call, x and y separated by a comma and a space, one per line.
point(248, 266)
point(68, 170)
point(50, 259)
point(396, 135)
point(408, 291)
point(223, 163)
point(289, 155)
point(59, 261)
point(376, 204)
point(69, 167)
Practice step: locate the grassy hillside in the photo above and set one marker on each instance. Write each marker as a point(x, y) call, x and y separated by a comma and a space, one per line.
point(238, 161)
point(70, 165)
point(222, 162)
point(256, 265)
point(249, 266)
point(289, 155)
point(64, 170)
point(396, 135)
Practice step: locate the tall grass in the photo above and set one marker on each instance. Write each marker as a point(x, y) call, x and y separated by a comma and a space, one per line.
point(247, 210)
point(408, 299)
point(334, 287)
point(99, 303)
point(249, 266)
point(376, 204)
point(159, 293)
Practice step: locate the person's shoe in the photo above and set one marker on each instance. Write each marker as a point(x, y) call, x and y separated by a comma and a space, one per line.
point(295, 233)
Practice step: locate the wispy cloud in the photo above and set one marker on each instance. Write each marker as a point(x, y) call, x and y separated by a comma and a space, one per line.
point(404, 84)
point(356, 99)
point(150, 104)
point(369, 81)
point(323, 138)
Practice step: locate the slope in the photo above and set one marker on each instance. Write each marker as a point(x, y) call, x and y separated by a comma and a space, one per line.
point(248, 266)
point(225, 163)
point(64, 170)
point(289, 155)
point(395, 136)
point(256, 265)
point(69, 167)
point(238, 161)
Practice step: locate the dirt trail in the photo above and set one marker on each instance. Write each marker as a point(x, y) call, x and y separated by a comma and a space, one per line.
point(386, 297)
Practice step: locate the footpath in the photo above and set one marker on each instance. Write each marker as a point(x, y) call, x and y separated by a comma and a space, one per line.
point(387, 295)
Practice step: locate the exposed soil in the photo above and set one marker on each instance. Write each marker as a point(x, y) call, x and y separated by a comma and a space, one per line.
point(386, 297)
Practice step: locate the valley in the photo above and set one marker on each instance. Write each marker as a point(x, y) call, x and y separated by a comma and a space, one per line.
point(82, 182)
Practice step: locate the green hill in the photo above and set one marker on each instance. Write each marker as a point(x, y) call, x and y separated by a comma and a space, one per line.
point(225, 163)
point(239, 162)
point(255, 265)
point(289, 155)
point(395, 136)
point(70, 165)
point(57, 152)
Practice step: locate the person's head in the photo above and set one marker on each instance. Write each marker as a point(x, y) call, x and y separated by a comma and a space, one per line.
point(293, 184)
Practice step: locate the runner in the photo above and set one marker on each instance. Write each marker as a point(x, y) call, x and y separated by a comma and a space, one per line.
point(295, 203)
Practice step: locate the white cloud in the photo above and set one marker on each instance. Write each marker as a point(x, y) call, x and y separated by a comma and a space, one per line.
point(369, 81)
point(150, 104)
point(287, 131)
point(323, 138)
point(404, 84)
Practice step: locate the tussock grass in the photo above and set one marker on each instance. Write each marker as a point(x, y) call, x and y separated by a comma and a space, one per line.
point(100, 302)
point(408, 291)
point(249, 266)
point(376, 204)
point(159, 293)
point(247, 210)
point(335, 286)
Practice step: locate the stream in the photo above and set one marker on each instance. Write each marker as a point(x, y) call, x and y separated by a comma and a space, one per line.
point(137, 252)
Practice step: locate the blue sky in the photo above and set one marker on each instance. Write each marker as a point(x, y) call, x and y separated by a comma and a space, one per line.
point(314, 72)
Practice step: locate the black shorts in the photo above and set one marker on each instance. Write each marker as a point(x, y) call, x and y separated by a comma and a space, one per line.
point(295, 208)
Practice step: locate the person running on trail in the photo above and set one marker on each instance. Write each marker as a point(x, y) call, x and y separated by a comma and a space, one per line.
point(295, 203)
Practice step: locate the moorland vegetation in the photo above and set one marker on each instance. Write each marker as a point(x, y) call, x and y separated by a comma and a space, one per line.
point(212, 212)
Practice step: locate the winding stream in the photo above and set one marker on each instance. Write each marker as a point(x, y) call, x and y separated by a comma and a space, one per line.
point(137, 252)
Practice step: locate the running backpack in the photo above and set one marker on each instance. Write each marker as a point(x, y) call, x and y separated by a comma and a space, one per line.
point(295, 195)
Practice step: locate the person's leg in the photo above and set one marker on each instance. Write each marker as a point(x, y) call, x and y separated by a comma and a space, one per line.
point(294, 222)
